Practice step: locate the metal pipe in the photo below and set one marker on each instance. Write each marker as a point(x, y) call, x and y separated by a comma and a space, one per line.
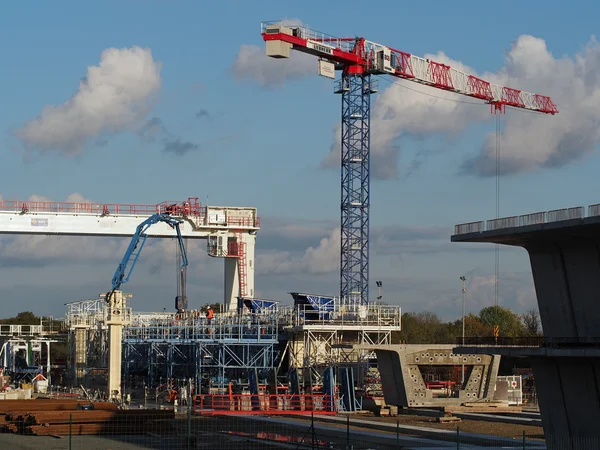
point(464, 291)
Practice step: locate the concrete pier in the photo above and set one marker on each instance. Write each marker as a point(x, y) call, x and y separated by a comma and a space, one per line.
point(564, 251)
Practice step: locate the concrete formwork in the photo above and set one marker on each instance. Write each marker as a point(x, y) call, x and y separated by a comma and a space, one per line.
point(403, 382)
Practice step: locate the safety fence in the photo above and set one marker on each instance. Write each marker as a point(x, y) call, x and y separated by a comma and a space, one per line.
point(264, 404)
point(79, 424)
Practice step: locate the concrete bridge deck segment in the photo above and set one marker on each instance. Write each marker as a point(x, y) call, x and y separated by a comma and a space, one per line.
point(564, 252)
point(404, 383)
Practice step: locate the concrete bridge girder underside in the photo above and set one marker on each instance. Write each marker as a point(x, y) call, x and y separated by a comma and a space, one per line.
point(403, 383)
point(565, 263)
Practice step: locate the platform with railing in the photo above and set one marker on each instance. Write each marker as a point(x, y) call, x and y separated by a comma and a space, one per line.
point(192, 209)
point(341, 316)
point(20, 330)
point(194, 327)
point(538, 218)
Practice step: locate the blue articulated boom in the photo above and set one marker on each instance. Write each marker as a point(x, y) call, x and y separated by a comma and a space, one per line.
point(136, 245)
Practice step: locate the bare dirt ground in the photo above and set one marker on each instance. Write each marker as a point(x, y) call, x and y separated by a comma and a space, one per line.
point(465, 425)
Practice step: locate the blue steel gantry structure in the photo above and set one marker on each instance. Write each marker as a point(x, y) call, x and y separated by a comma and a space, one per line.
point(358, 59)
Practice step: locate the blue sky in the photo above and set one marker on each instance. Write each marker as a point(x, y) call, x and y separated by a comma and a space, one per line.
point(256, 143)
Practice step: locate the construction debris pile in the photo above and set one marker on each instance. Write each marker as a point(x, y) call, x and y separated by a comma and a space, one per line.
point(64, 417)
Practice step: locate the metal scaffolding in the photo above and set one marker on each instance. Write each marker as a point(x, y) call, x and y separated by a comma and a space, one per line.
point(161, 346)
point(323, 331)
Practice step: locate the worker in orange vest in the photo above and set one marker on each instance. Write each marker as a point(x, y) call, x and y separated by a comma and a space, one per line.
point(209, 314)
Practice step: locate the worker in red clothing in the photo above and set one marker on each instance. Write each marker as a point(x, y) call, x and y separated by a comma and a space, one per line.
point(209, 314)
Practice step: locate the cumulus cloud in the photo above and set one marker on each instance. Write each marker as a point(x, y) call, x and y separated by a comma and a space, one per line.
point(533, 141)
point(313, 247)
point(318, 259)
point(252, 63)
point(529, 140)
point(515, 290)
point(114, 96)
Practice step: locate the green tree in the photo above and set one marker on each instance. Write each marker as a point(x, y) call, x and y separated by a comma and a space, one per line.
point(23, 318)
point(420, 328)
point(509, 322)
point(475, 328)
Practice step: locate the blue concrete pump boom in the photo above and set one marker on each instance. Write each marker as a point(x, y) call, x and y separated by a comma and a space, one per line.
point(138, 240)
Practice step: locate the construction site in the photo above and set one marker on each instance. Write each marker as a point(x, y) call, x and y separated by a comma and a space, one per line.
point(322, 371)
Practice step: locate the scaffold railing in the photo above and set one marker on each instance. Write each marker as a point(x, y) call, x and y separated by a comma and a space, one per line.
point(20, 330)
point(192, 327)
point(380, 316)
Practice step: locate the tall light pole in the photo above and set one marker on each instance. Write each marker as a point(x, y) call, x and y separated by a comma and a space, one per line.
point(379, 284)
point(464, 291)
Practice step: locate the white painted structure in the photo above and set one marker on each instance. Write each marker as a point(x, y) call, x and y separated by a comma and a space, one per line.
point(225, 228)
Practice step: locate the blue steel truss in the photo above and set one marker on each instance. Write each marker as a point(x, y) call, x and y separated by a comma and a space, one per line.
point(356, 90)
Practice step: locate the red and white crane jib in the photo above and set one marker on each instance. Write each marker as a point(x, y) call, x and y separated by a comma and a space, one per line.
point(361, 55)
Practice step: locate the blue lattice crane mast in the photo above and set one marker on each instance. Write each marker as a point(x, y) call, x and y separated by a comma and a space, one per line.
point(358, 59)
point(125, 267)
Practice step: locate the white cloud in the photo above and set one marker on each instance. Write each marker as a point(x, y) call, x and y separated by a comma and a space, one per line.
point(251, 62)
point(115, 96)
point(533, 141)
point(319, 259)
point(529, 140)
point(515, 290)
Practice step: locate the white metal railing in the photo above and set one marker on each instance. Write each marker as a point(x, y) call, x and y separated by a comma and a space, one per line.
point(20, 330)
point(196, 327)
point(471, 227)
point(594, 210)
point(303, 32)
point(532, 219)
point(565, 214)
point(556, 215)
point(341, 315)
point(505, 222)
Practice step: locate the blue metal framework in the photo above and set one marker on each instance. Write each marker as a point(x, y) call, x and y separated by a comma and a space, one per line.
point(356, 90)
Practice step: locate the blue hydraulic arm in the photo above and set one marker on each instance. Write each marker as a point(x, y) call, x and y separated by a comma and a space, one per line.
point(138, 240)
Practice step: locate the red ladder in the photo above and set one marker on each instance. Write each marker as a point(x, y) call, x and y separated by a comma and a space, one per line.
point(242, 265)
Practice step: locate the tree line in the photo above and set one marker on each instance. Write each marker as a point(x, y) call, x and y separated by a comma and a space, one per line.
point(428, 328)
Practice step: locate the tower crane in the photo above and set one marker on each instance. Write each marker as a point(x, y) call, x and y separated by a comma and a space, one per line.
point(358, 59)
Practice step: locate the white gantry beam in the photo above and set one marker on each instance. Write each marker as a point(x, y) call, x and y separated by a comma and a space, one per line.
point(218, 224)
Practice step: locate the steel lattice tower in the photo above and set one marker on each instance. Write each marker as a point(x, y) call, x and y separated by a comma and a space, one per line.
point(356, 90)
